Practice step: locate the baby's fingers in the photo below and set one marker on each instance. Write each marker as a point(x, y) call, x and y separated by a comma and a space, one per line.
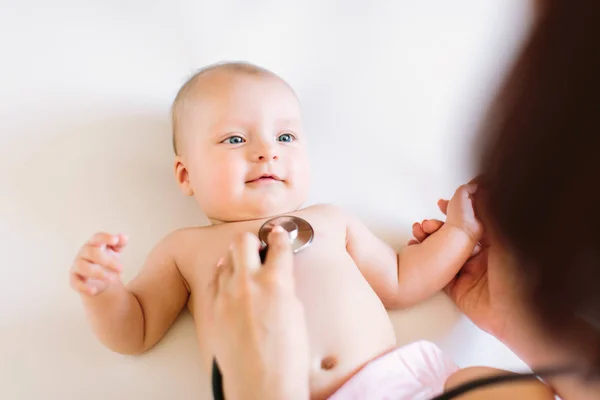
point(121, 242)
point(423, 230)
point(87, 270)
point(100, 256)
point(418, 232)
point(431, 226)
point(77, 282)
point(83, 285)
point(107, 240)
point(103, 239)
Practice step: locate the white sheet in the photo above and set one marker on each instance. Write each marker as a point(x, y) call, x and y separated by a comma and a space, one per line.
point(85, 146)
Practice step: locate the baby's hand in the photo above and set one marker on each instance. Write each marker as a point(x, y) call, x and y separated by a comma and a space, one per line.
point(421, 231)
point(461, 212)
point(97, 264)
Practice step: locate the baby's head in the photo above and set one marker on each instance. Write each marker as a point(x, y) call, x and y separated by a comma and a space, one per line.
point(240, 149)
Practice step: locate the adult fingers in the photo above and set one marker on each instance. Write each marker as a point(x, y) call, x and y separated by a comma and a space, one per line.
point(478, 248)
point(244, 254)
point(213, 291)
point(214, 285)
point(476, 180)
point(464, 192)
point(280, 255)
point(224, 272)
point(471, 188)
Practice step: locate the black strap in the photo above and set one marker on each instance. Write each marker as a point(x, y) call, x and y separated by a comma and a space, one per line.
point(503, 378)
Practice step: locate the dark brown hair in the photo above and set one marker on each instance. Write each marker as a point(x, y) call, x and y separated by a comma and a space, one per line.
point(540, 165)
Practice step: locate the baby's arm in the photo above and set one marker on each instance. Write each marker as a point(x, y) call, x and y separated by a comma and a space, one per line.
point(426, 268)
point(130, 318)
point(402, 280)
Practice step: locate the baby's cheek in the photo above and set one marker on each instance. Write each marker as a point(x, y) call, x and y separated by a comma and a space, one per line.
point(216, 198)
point(301, 179)
point(226, 181)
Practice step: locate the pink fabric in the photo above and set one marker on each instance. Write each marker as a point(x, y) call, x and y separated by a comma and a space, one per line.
point(416, 371)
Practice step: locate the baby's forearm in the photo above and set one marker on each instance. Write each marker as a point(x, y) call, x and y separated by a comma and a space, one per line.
point(428, 267)
point(117, 319)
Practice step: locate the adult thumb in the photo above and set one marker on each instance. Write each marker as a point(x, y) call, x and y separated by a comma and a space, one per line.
point(279, 254)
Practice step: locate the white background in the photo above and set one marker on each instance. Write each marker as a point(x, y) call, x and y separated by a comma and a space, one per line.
point(392, 92)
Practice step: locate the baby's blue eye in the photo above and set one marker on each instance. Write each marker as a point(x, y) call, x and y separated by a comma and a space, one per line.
point(234, 140)
point(286, 137)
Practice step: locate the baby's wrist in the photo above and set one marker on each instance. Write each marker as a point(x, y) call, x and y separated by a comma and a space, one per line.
point(462, 231)
point(107, 295)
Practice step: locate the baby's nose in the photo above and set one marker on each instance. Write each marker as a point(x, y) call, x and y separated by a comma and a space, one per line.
point(267, 157)
point(267, 153)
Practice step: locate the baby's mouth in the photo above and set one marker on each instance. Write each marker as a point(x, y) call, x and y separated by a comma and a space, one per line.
point(265, 179)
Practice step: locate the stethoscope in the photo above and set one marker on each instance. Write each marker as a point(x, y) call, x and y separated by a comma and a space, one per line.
point(301, 236)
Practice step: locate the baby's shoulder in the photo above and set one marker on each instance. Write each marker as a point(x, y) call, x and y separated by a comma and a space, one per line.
point(187, 233)
point(181, 240)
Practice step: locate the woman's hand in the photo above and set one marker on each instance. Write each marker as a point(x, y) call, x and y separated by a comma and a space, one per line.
point(489, 292)
point(257, 325)
point(460, 212)
point(485, 289)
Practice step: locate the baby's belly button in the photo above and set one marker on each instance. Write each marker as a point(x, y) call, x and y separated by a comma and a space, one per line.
point(346, 357)
point(324, 362)
point(328, 363)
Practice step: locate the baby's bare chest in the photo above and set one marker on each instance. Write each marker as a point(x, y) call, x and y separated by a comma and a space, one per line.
point(336, 297)
point(325, 252)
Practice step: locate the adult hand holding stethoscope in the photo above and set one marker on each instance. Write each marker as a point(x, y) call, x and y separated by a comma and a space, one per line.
point(256, 322)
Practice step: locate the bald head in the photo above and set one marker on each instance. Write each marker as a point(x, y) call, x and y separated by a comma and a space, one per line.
point(200, 84)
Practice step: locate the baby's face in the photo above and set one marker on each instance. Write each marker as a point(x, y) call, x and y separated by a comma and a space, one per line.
point(244, 149)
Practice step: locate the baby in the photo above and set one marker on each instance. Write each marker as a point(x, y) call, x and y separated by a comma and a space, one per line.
point(241, 152)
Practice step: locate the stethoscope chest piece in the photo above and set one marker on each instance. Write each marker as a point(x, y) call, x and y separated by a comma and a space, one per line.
point(299, 230)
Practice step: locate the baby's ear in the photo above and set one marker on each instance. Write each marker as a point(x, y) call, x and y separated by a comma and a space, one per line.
point(182, 177)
